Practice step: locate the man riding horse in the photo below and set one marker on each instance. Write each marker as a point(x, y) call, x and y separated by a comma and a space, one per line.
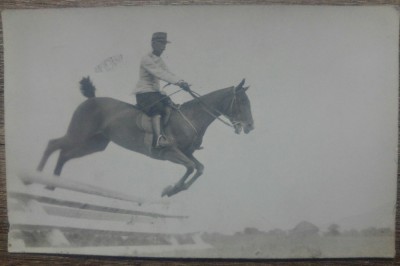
point(97, 121)
point(149, 96)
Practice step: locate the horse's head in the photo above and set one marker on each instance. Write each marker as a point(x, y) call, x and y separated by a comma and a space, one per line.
point(240, 110)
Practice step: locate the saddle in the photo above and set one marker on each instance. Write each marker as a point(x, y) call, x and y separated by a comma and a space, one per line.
point(144, 123)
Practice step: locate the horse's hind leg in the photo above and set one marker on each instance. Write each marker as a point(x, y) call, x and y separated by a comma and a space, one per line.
point(52, 146)
point(94, 144)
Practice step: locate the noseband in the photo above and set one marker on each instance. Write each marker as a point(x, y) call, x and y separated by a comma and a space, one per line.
point(233, 103)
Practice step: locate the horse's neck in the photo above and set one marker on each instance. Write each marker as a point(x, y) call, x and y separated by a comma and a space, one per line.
point(207, 108)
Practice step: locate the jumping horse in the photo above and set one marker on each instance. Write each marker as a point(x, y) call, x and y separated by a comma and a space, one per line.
point(99, 120)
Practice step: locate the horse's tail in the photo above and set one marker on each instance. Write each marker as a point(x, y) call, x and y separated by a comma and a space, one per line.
point(87, 88)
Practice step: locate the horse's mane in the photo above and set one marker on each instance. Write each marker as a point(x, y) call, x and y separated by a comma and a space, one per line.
point(206, 96)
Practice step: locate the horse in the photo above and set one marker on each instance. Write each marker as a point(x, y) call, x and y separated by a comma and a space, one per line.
point(99, 120)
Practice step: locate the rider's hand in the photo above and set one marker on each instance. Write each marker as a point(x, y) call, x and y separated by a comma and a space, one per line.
point(183, 85)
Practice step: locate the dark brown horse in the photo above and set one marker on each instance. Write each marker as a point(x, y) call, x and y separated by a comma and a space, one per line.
point(99, 120)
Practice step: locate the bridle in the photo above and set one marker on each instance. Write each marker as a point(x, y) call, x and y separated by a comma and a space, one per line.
point(233, 123)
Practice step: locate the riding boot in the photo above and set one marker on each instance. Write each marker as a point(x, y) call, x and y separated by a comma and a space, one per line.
point(166, 116)
point(158, 139)
point(176, 106)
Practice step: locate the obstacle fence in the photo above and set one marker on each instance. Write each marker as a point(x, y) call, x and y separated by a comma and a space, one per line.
point(93, 220)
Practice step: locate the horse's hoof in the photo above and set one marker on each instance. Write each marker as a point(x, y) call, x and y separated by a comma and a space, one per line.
point(167, 191)
point(50, 188)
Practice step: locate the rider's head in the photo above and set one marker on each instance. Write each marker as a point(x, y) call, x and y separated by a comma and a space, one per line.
point(159, 42)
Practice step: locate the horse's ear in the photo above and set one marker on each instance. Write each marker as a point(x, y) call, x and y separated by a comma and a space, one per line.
point(246, 88)
point(240, 86)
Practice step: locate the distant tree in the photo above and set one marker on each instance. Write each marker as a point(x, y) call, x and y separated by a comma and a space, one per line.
point(386, 231)
point(304, 228)
point(238, 233)
point(277, 232)
point(333, 230)
point(373, 231)
point(351, 232)
point(251, 231)
point(370, 231)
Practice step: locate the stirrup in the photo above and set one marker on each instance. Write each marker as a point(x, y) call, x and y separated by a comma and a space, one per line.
point(176, 106)
point(162, 142)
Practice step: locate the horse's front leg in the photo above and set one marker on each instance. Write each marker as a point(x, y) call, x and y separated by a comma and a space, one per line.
point(176, 156)
point(179, 186)
point(199, 172)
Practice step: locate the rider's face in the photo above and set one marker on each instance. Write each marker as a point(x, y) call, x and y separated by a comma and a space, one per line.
point(158, 47)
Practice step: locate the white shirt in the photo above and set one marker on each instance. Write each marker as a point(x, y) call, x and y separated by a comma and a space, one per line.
point(152, 69)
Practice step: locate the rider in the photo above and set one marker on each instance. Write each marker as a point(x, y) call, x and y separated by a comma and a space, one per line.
point(149, 96)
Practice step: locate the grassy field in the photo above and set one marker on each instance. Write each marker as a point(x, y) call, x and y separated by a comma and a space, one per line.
point(264, 246)
point(241, 245)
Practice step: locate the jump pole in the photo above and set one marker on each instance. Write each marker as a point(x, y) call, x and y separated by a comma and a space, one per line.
point(83, 188)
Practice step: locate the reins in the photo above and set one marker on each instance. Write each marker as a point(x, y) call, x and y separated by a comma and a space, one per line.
point(206, 107)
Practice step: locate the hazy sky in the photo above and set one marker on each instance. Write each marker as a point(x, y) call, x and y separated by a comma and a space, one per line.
point(323, 93)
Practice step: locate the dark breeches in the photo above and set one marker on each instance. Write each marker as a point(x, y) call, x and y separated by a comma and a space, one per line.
point(153, 103)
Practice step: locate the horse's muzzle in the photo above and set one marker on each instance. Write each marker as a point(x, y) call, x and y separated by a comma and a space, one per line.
point(247, 127)
point(238, 128)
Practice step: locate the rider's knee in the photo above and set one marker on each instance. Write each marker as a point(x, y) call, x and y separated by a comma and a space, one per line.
point(156, 116)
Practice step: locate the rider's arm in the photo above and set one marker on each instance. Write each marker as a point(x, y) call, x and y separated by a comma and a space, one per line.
point(158, 69)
